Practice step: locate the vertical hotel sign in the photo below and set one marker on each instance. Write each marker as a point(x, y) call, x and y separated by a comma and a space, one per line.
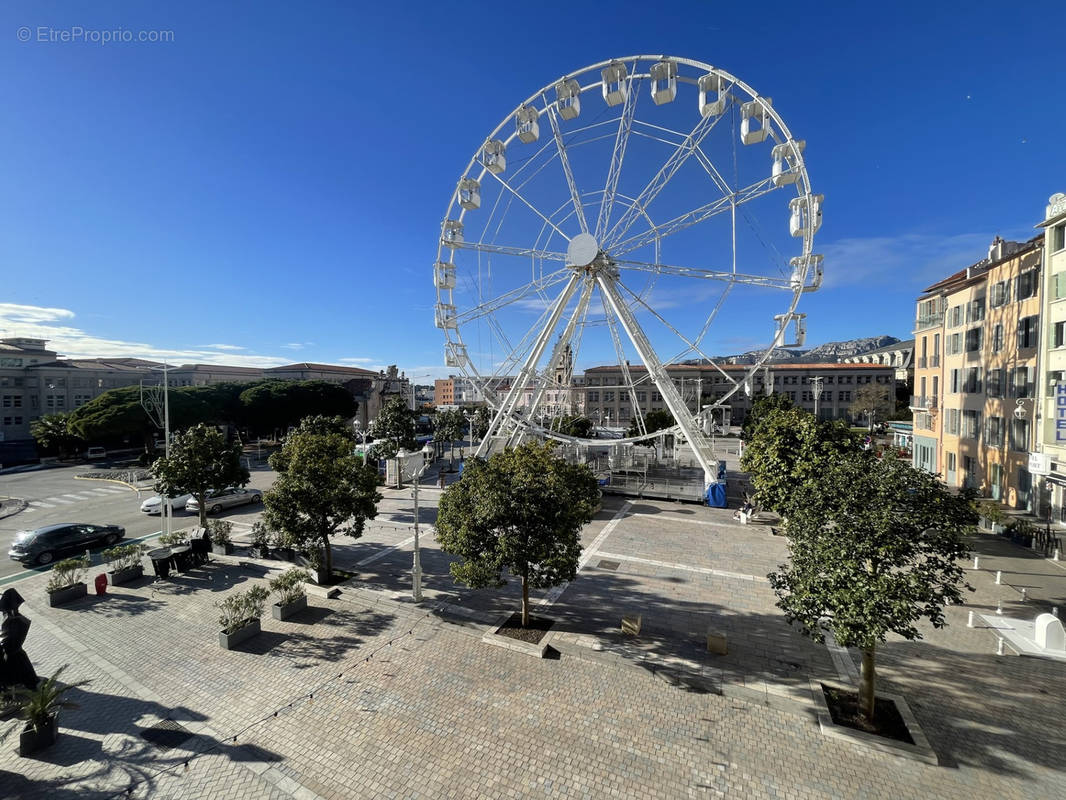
point(1060, 412)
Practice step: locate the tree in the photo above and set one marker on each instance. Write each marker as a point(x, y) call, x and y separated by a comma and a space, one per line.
point(571, 425)
point(118, 413)
point(761, 407)
point(873, 402)
point(522, 511)
point(200, 462)
point(393, 430)
point(788, 454)
point(53, 434)
point(479, 423)
point(657, 420)
point(322, 487)
point(875, 547)
point(448, 426)
point(276, 405)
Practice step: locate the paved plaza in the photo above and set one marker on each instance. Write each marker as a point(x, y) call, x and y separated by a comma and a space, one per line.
point(375, 696)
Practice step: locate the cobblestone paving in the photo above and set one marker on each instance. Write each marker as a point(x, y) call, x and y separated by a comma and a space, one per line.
point(409, 703)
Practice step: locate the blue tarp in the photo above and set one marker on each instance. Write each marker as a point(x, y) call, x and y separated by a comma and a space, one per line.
point(716, 495)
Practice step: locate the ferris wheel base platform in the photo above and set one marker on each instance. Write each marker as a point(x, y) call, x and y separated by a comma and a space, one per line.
point(687, 488)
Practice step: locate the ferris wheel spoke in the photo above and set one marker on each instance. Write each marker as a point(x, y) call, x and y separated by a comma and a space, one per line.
point(564, 160)
point(508, 250)
point(623, 362)
point(679, 223)
point(692, 346)
point(614, 172)
point(528, 204)
point(706, 274)
point(676, 160)
point(489, 307)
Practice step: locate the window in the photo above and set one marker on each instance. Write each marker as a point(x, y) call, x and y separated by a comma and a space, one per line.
point(791, 396)
point(975, 310)
point(955, 317)
point(1019, 434)
point(994, 380)
point(969, 468)
point(973, 381)
point(1000, 294)
point(954, 344)
point(971, 424)
point(951, 421)
point(1057, 338)
point(1027, 331)
point(594, 397)
point(844, 396)
point(994, 432)
point(642, 397)
point(1058, 291)
point(1021, 382)
point(974, 339)
point(950, 461)
point(807, 397)
point(997, 338)
point(955, 383)
point(1058, 239)
point(1026, 284)
point(828, 378)
point(608, 397)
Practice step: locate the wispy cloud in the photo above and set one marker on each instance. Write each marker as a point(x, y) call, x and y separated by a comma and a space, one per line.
point(50, 323)
point(912, 260)
point(297, 345)
point(357, 360)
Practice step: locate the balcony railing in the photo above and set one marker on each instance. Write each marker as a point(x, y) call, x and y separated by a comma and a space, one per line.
point(920, 402)
point(934, 361)
point(929, 321)
point(921, 363)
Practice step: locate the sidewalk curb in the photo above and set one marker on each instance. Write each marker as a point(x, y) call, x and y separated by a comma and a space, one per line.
point(11, 506)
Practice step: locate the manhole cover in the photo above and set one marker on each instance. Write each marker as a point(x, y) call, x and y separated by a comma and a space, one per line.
point(609, 564)
point(166, 734)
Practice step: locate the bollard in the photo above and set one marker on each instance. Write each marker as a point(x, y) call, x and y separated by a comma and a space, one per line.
point(999, 606)
point(976, 562)
point(999, 646)
point(969, 621)
point(999, 577)
point(1025, 594)
point(1056, 556)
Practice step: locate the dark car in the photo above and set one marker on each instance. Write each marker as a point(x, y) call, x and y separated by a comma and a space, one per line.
point(42, 545)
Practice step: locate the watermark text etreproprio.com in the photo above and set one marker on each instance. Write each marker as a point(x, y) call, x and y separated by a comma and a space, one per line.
point(46, 34)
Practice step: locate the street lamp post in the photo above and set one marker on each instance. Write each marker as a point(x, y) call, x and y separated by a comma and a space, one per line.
point(416, 567)
point(151, 405)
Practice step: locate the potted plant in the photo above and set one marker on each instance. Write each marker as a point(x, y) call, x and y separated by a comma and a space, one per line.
point(289, 587)
point(67, 581)
point(260, 541)
point(219, 531)
point(279, 543)
point(992, 515)
point(125, 563)
point(174, 538)
point(240, 616)
point(312, 559)
point(40, 708)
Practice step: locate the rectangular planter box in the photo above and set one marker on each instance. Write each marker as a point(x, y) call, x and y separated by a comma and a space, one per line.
point(121, 576)
point(66, 595)
point(222, 549)
point(284, 612)
point(227, 641)
point(259, 552)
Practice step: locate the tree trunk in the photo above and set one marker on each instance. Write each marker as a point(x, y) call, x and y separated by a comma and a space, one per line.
point(202, 501)
point(866, 684)
point(328, 556)
point(525, 602)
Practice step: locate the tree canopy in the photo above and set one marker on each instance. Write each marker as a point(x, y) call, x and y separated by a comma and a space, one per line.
point(874, 548)
point(322, 487)
point(655, 420)
point(761, 407)
point(522, 511)
point(276, 405)
point(479, 424)
point(788, 453)
point(872, 402)
point(571, 425)
point(393, 429)
point(53, 434)
point(449, 426)
point(200, 462)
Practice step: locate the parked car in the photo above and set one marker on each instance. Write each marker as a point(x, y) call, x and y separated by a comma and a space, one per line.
point(42, 545)
point(153, 505)
point(96, 452)
point(225, 498)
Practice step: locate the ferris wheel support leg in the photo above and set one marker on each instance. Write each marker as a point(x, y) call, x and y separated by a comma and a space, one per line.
point(510, 402)
point(701, 447)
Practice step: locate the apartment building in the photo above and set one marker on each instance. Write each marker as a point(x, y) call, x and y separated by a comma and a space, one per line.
point(977, 344)
point(1050, 462)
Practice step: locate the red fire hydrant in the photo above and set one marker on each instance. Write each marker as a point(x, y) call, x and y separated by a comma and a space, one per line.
point(101, 584)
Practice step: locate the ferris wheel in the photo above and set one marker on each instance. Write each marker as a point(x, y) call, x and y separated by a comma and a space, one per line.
point(634, 215)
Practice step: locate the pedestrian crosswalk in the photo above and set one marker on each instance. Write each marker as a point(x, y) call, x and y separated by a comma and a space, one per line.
point(71, 498)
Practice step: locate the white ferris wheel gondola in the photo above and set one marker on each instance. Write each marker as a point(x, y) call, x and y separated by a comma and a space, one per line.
point(607, 219)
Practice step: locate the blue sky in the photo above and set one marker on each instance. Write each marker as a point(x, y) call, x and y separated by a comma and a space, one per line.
point(269, 185)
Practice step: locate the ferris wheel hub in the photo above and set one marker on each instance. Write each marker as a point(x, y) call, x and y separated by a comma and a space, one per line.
point(582, 250)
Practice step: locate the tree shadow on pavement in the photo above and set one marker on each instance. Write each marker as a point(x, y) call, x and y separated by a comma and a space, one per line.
point(332, 639)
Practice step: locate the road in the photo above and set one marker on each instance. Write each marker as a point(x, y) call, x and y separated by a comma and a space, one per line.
point(55, 495)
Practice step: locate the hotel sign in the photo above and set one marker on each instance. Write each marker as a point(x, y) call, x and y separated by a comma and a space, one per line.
point(1060, 412)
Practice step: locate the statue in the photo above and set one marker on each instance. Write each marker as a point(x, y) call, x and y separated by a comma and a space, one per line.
point(15, 666)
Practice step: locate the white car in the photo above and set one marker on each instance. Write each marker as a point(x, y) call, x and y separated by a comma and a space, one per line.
point(153, 505)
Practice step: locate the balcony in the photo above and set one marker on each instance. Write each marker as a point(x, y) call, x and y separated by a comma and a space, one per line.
point(929, 321)
point(934, 361)
point(920, 402)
